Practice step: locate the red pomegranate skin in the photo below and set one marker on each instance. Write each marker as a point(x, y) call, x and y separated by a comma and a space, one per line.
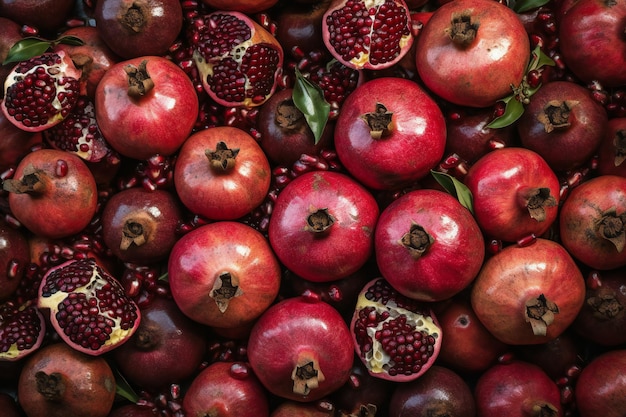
point(612, 150)
point(437, 270)
point(482, 72)
point(499, 181)
point(601, 385)
point(414, 144)
point(9, 34)
point(44, 15)
point(14, 258)
point(582, 213)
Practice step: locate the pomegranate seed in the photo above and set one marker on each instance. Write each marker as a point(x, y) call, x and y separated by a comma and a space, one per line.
point(527, 241)
point(61, 168)
point(239, 371)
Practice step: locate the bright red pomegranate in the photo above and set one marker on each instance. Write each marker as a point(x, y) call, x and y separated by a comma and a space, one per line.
point(239, 61)
point(612, 150)
point(228, 389)
point(396, 338)
point(53, 193)
point(518, 295)
point(146, 106)
point(322, 226)
point(591, 34)
point(223, 274)
point(367, 34)
point(601, 386)
point(294, 352)
point(472, 52)
point(389, 133)
point(222, 173)
point(515, 193)
point(517, 389)
point(592, 222)
point(428, 246)
point(40, 92)
point(58, 381)
point(88, 307)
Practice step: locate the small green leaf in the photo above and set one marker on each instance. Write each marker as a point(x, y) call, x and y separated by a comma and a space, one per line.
point(513, 111)
point(526, 5)
point(123, 388)
point(309, 99)
point(32, 46)
point(538, 59)
point(165, 277)
point(455, 188)
point(68, 40)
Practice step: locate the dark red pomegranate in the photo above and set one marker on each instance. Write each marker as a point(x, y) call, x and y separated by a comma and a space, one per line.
point(298, 409)
point(518, 295)
point(15, 143)
point(395, 337)
point(299, 27)
point(367, 34)
point(10, 33)
point(322, 226)
point(612, 150)
point(9, 406)
point(592, 222)
point(14, 258)
point(601, 386)
point(88, 307)
point(294, 353)
point(243, 6)
point(58, 381)
point(389, 133)
point(44, 15)
point(134, 410)
point(517, 389)
point(559, 358)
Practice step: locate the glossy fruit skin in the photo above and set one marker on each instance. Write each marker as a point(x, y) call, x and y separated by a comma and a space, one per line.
point(155, 123)
point(414, 144)
point(218, 192)
point(591, 34)
point(611, 159)
point(600, 387)
point(482, 72)
point(10, 32)
point(298, 409)
point(47, 15)
point(451, 259)
point(332, 253)
point(14, 258)
point(582, 213)
point(512, 390)
point(516, 275)
point(293, 333)
point(198, 260)
point(69, 197)
point(89, 384)
point(498, 182)
point(586, 121)
point(243, 6)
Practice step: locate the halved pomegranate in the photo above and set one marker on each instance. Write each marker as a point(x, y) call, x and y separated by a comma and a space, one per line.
point(22, 330)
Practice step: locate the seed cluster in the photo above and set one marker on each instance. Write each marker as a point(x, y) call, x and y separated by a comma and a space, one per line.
point(408, 348)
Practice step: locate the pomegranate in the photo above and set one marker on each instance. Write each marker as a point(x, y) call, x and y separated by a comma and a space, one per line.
point(222, 173)
point(10, 33)
point(559, 358)
point(439, 392)
point(22, 330)
point(58, 184)
point(88, 307)
point(228, 390)
point(293, 353)
point(15, 143)
point(14, 258)
point(367, 34)
point(133, 410)
point(428, 246)
point(135, 28)
point(9, 406)
point(563, 115)
point(516, 389)
point(299, 27)
point(41, 91)
point(518, 293)
point(396, 338)
point(146, 106)
point(58, 381)
point(223, 274)
point(612, 150)
point(239, 61)
point(472, 52)
point(591, 34)
point(601, 385)
point(389, 133)
point(515, 193)
point(44, 15)
point(322, 226)
point(298, 409)
point(243, 6)
point(592, 221)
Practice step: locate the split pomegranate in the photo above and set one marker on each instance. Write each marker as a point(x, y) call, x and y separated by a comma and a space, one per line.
point(601, 385)
point(395, 337)
point(22, 330)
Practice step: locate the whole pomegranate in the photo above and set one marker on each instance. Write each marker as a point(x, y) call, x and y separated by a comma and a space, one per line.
point(518, 294)
point(44, 15)
point(14, 258)
point(58, 381)
point(428, 246)
point(390, 133)
point(243, 6)
point(472, 52)
point(294, 353)
point(612, 150)
point(15, 143)
point(601, 385)
point(10, 33)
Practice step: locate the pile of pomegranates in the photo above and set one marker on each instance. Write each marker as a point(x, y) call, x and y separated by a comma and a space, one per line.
point(339, 208)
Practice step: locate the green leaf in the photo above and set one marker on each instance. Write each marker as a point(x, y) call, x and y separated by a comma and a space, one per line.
point(123, 388)
point(69, 40)
point(309, 99)
point(32, 46)
point(513, 111)
point(538, 59)
point(455, 188)
point(526, 5)
point(164, 277)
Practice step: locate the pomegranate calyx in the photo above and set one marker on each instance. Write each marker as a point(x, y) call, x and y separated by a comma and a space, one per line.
point(289, 117)
point(540, 314)
point(611, 227)
point(32, 182)
point(463, 29)
point(136, 231)
point(222, 159)
point(133, 17)
point(225, 288)
point(379, 121)
point(543, 409)
point(536, 200)
point(139, 81)
point(555, 115)
point(417, 241)
point(605, 305)
point(619, 141)
point(50, 386)
point(306, 375)
point(319, 221)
